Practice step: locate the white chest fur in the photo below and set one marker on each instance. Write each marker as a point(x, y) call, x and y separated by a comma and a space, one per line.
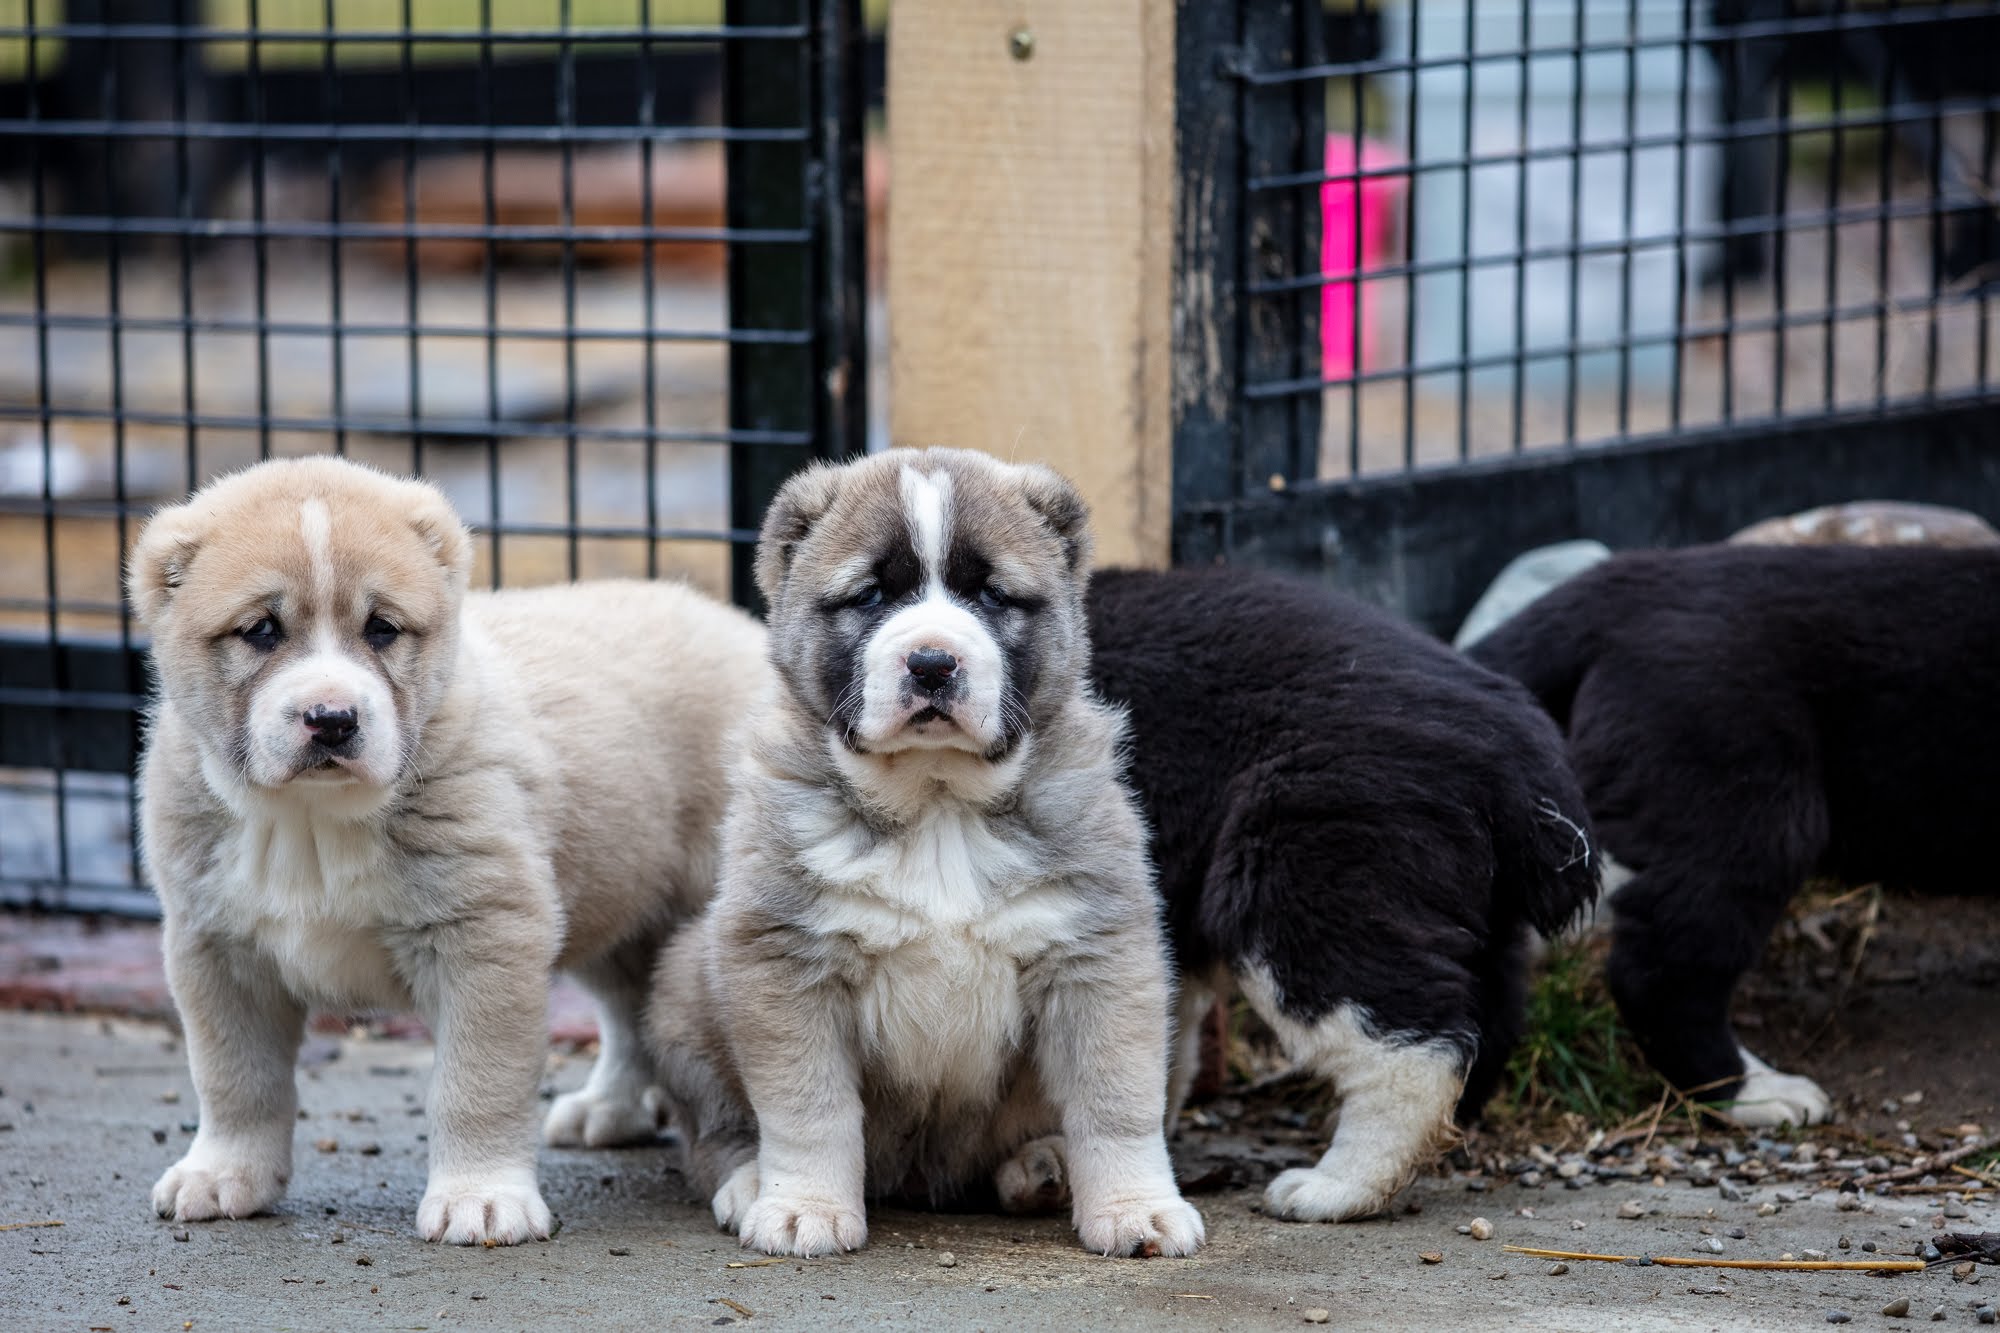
point(313, 893)
point(946, 916)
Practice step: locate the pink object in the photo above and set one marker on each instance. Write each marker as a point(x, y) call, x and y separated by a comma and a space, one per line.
point(1346, 214)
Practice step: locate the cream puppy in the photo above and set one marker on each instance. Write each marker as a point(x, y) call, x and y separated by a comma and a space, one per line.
point(364, 786)
point(934, 962)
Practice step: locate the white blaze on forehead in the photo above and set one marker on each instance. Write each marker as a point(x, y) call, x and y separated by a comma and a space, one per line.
point(316, 527)
point(926, 501)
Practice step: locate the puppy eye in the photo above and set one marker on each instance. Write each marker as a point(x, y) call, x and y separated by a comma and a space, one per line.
point(263, 635)
point(993, 597)
point(379, 633)
point(869, 596)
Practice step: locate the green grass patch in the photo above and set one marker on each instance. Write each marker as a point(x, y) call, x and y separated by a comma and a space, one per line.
point(1576, 1059)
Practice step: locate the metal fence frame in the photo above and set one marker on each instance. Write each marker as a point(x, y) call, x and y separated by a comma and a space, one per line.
point(1248, 402)
point(794, 78)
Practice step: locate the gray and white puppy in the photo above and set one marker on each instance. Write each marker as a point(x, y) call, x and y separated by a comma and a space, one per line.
point(364, 786)
point(934, 958)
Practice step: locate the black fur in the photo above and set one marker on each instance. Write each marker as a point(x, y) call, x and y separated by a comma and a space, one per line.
point(1744, 718)
point(1344, 800)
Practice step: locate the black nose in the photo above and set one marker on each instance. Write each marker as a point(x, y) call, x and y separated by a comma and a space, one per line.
point(331, 726)
point(932, 667)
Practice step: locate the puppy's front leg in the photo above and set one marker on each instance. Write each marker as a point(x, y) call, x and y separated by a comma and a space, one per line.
point(243, 1030)
point(1102, 1049)
point(793, 1039)
point(483, 983)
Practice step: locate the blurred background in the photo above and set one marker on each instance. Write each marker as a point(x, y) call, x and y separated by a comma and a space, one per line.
point(1389, 293)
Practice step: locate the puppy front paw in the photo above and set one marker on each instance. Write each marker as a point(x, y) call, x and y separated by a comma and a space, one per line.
point(1769, 1099)
point(587, 1119)
point(1159, 1224)
point(473, 1210)
point(1035, 1179)
point(803, 1226)
point(208, 1185)
point(732, 1202)
point(1308, 1194)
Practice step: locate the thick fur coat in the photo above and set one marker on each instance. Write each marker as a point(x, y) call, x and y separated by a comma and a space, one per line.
point(934, 964)
point(1356, 824)
point(364, 787)
point(1744, 718)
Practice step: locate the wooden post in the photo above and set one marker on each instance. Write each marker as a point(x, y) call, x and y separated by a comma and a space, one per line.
point(1030, 248)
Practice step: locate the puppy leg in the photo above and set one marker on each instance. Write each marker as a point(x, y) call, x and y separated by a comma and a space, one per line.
point(483, 984)
point(794, 1047)
point(1197, 998)
point(243, 1031)
point(1101, 1052)
point(1396, 1103)
point(1035, 1179)
point(620, 1102)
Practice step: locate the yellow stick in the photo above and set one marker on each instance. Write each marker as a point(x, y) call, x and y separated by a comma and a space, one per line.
point(23, 1226)
point(1782, 1265)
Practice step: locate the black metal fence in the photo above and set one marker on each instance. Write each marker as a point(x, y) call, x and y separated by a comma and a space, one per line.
point(1523, 270)
point(596, 266)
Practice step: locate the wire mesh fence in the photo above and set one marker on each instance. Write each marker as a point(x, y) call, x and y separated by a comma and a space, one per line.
point(594, 266)
point(1517, 225)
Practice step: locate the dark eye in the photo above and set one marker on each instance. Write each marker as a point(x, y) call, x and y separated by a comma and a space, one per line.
point(993, 597)
point(868, 597)
point(379, 633)
point(263, 635)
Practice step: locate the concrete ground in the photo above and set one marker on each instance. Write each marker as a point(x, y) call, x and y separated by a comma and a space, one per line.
point(92, 1109)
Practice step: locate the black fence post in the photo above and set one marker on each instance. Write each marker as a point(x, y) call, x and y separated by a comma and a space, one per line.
point(814, 386)
point(126, 81)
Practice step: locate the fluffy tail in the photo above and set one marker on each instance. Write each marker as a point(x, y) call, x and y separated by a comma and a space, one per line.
point(1549, 862)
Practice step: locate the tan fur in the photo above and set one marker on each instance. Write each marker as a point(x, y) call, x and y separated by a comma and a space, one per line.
point(537, 784)
point(936, 944)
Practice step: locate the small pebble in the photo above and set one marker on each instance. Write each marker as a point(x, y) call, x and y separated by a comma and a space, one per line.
point(1530, 1180)
point(1953, 1208)
point(620, 1252)
point(370, 1150)
point(1844, 1243)
point(1937, 1315)
point(1712, 1245)
point(1570, 1170)
point(170, 1096)
point(1737, 1233)
point(1851, 1203)
point(1813, 1256)
point(1897, 1308)
point(1631, 1209)
point(1767, 1209)
point(1476, 1185)
point(1576, 1224)
point(1964, 1270)
point(1481, 1229)
point(1708, 1291)
point(947, 1260)
point(1731, 1191)
point(1907, 1223)
point(1557, 1270)
point(181, 1233)
point(1868, 1247)
point(1318, 1316)
point(1929, 1254)
point(1431, 1256)
point(327, 1145)
point(1839, 1317)
point(159, 1136)
point(1985, 1314)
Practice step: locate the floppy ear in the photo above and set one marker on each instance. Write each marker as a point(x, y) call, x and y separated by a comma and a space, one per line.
point(159, 560)
point(1050, 494)
point(443, 531)
point(800, 503)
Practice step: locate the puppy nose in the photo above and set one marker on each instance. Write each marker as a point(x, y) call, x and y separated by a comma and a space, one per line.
point(933, 667)
point(331, 726)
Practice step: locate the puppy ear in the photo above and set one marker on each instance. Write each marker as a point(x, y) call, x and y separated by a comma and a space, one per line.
point(159, 560)
point(444, 532)
point(800, 503)
point(1050, 494)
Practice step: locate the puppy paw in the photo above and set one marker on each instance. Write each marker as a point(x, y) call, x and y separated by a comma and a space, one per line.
point(1307, 1194)
point(1769, 1098)
point(586, 1119)
point(1162, 1224)
point(806, 1227)
point(1035, 1179)
point(732, 1201)
point(196, 1189)
point(474, 1211)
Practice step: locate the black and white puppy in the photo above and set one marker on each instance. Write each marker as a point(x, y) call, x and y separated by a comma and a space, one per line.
point(1358, 825)
point(1744, 718)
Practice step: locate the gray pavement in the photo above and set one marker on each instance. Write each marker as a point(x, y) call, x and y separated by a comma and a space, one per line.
point(91, 1110)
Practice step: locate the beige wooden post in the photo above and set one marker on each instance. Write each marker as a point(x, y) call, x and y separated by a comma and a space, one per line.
point(1030, 247)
